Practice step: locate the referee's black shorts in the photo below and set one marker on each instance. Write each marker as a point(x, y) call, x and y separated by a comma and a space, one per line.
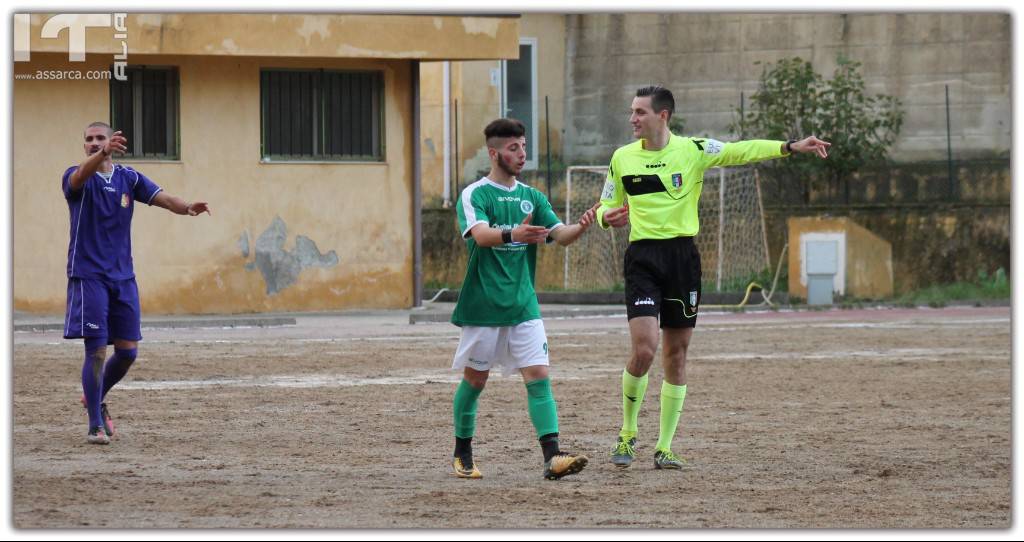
point(663, 280)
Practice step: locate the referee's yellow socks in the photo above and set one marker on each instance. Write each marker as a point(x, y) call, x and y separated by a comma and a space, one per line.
point(633, 389)
point(672, 397)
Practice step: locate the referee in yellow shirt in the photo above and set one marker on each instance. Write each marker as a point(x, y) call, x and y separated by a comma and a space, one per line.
point(654, 185)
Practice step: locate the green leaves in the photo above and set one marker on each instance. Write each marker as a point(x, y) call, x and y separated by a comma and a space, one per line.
point(793, 101)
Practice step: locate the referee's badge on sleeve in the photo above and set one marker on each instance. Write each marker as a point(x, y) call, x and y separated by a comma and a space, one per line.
point(677, 180)
point(609, 190)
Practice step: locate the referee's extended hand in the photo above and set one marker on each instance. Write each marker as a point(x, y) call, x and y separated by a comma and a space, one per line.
point(618, 218)
point(525, 233)
point(812, 144)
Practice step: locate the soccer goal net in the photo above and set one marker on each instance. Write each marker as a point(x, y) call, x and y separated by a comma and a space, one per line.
point(732, 241)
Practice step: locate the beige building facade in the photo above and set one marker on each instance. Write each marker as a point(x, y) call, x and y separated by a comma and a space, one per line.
point(291, 230)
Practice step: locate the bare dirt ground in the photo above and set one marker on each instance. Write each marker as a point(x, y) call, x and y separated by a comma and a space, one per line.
point(842, 419)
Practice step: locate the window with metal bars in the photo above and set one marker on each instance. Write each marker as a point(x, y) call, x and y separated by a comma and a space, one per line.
point(145, 109)
point(321, 115)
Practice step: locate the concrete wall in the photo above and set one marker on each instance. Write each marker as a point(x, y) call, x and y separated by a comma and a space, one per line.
point(249, 255)
point(708, 60)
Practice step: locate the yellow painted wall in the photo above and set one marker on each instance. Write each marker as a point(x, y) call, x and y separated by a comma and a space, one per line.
point(362, 211)
point(299, 35)
point(868, 258)
point(869, 269)
point(479, 100)
point(432, 137)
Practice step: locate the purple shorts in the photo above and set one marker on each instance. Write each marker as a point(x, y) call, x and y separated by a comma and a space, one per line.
point(103, 308)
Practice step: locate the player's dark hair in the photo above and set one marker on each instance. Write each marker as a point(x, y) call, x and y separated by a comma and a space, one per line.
point(504, 128)
point(103, 124)
point(661, 98)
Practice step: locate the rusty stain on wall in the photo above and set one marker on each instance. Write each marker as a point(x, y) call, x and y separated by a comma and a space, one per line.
point(280, 268)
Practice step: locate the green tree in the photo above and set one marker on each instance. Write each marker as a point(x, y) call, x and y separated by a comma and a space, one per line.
point(793, 101)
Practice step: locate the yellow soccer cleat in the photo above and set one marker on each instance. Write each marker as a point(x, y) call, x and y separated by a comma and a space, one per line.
point(564, 464)
point(462, 471)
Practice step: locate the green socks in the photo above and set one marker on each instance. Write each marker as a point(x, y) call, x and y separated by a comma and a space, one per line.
point(672, 397)
point(633, 389)
point(541, 404)
point(465, 409)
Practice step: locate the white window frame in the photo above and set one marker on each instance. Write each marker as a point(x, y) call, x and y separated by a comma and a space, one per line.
point(532, 141)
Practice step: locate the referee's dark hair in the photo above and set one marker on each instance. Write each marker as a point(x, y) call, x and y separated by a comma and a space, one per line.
point(504, 128)
point(661, 98)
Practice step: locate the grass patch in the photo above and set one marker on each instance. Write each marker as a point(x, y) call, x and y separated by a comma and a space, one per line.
point(985, 286)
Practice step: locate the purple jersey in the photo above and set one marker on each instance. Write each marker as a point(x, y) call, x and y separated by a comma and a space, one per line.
point(101, 222)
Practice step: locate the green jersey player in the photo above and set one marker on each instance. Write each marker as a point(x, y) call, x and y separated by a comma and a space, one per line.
point(503, 221)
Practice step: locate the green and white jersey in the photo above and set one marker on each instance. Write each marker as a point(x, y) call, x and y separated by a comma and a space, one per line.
point(663, 186)
point(498, 288)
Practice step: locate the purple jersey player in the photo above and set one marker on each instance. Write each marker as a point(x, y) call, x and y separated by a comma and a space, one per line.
point(103, 299)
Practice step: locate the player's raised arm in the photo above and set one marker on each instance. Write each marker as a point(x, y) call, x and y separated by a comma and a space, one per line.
point(809, 144)
point(179, 206)
point(486, 236)
point(566, 235)
point(99, 146)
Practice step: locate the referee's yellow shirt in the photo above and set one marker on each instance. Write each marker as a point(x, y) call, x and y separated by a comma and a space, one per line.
point(663, 186)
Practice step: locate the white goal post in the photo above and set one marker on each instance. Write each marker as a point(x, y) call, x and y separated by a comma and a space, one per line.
point(733, 242)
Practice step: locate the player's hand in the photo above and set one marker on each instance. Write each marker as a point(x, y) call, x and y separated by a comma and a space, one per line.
point(197, 208)
point(525, 233)
point(117, 143)
point(588, 218)
point(618, 218)
point(812, 144)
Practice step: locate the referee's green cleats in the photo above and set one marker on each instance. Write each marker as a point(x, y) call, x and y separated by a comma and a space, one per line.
point(624, 452)
point(665, 459)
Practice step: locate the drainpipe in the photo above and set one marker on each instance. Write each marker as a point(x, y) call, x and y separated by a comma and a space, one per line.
point(417, 196)
point(447, 92)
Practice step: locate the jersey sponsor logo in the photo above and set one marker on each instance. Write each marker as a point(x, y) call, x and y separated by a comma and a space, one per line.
point(125, 201)
point(609, 190)
point(677, 180)
point(655, 166)
point(644, 301)
point(110, 189)
point(526, 206)
point(508, 198)
point(506, 246)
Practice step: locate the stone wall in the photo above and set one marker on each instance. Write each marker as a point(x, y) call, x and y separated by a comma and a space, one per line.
point(709, 60)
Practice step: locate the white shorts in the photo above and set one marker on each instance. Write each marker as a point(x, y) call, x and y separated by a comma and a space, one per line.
point(511, 347)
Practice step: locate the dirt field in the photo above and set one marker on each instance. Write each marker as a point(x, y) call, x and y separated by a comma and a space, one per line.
point(843, 419)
